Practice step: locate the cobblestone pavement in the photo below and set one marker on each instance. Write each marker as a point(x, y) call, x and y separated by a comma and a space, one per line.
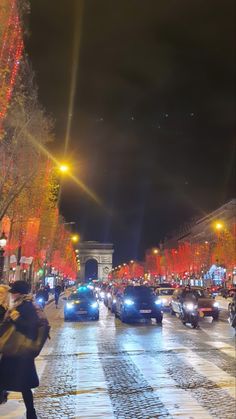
point(110, 370)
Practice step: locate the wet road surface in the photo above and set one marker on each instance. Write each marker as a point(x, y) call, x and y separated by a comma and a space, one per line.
point(111, 370)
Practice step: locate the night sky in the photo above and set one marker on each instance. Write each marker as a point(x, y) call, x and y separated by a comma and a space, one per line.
point(153, 125)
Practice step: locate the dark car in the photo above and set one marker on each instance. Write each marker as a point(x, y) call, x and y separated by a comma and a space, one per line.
point(205, 304)
point(81, 304)
point(138, 302)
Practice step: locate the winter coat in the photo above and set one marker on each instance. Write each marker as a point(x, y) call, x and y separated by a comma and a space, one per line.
point(2, 312)
point(57, 290)
point(19, 373)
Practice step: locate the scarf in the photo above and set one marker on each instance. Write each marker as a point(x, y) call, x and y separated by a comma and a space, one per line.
point(17, 303)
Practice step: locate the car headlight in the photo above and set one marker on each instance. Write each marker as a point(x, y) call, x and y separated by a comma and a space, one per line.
point(94, 305)
point(190, 306)
point(69, 305)
point(216, 304)
point(158, 302)
point(129, 302)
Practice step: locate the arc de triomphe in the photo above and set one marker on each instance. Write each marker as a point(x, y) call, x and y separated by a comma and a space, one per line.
point(101, 252)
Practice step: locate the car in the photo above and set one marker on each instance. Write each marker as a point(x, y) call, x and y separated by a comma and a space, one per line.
point(138, 302)
point(81, 304)
point(205, 303)
point(165, 296)
point(166, 285)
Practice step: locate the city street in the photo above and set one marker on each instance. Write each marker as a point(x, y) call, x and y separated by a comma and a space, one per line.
point(107, 370)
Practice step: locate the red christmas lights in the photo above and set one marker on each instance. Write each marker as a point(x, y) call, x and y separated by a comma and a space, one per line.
point(11, 48)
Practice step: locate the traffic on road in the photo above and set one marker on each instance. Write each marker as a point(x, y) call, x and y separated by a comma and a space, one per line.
point(136, 360)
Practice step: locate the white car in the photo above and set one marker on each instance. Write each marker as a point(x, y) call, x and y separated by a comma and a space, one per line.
point(224, 302)
point(165, 296)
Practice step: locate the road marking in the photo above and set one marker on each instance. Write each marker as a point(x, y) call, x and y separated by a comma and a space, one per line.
point(211, 371)
point(223, 347)
point(91, 386)
point(178, 402)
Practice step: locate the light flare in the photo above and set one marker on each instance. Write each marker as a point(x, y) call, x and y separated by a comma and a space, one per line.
point(74, 68)
point(57, 163)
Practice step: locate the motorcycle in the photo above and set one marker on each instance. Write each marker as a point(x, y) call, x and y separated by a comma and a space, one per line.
point(40, 301)
point(189, 314)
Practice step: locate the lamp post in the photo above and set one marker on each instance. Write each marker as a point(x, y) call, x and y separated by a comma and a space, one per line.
point(3, 242)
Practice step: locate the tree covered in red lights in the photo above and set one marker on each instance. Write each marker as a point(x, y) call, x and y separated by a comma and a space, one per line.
point(11, 49)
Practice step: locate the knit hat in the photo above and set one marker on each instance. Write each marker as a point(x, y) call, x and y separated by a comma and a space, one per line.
point(19, 287)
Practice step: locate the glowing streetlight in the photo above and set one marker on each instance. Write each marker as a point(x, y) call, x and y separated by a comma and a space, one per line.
point(155, 251)
point(218, 225)
point(75, 238)
point(64, 168)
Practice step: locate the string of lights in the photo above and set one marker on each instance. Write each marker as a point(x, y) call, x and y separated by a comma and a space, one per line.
point(11, 49)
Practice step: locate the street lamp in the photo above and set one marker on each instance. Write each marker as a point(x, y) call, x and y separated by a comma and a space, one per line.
point(218, 225)
point(75, 238)
point(64, 168)
point(3, 242)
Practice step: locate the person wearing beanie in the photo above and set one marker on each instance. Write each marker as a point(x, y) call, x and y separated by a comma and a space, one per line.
point(18, 373)
point(4, 304)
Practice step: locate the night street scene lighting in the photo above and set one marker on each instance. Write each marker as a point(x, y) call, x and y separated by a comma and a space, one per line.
point(117, 209)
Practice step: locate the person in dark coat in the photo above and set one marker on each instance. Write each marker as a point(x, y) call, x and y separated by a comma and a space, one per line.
point(47, 290)
point(18, 373)
point(4, 304)
point(57, 293)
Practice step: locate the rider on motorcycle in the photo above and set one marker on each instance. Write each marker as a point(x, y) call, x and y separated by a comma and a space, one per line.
point(188, 300)
point(41, 296)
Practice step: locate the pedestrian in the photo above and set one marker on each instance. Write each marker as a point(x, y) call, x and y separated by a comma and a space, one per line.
point(57, 293)
point(4, 304)
point(67, 292)
point(18, 373)
point(48, 289)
